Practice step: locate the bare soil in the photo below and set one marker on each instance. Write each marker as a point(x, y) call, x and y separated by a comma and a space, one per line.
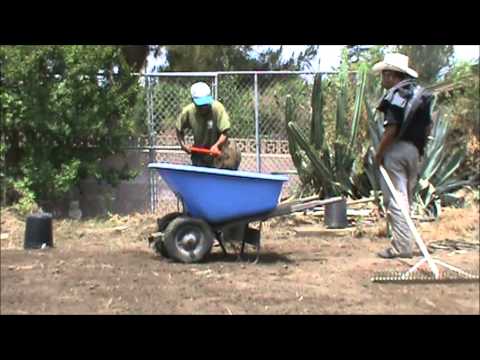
point(106, 267)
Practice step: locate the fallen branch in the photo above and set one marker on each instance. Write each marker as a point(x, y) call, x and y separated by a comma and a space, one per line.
point(360, 201)
point(316, 197)
point(320, 230)
point(350, 212)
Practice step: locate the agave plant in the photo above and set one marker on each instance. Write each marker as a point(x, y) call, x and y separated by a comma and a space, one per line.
point(330, 167)
point(438, 165)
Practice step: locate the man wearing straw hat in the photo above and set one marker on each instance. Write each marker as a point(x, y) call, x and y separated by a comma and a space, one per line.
point(406, 107)
point(209, 122)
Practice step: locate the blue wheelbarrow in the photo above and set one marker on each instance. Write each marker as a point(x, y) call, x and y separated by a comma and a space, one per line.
point(219, 205)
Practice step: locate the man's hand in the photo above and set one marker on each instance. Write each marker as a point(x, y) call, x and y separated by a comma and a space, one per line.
point(181, 141)
point(187, 149)
point(388, 138)
point(379, 158)
point(215, 150)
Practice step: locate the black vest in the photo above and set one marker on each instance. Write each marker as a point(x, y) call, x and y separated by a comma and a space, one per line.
point(414, 104)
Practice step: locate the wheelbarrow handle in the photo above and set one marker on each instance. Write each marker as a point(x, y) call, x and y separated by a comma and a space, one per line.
point(204, 151)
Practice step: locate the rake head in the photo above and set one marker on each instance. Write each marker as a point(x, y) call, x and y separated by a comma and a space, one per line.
point(418, 277)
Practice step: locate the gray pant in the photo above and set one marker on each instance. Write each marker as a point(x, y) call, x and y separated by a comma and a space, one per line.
point(401, 160)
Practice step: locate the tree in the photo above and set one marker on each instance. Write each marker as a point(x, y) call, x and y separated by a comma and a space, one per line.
point(428, 60)
point(357, 53)
point(135, 55)
point(64, 110)
point(233, 57)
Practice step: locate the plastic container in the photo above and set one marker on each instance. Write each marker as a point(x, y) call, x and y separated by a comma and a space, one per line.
point(38, 231)
point(336, 215)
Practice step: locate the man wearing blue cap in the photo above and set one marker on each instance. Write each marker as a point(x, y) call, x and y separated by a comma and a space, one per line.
point(209, 122)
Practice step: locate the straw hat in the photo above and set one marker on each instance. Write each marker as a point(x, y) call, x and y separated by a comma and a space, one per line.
point(395, 62)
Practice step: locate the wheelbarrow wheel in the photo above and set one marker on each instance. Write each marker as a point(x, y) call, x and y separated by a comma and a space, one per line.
point(162, 224)
point(159, 248)
point(188, 239)
point(167, 219)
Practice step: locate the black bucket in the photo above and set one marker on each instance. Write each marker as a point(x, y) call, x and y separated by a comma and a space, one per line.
point(38, 231)
point(336, 215)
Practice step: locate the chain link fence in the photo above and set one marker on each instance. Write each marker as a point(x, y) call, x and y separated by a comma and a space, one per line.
point(255, 102)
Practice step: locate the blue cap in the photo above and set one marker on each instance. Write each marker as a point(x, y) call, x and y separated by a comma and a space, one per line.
point(204, 100)
point(201, 94)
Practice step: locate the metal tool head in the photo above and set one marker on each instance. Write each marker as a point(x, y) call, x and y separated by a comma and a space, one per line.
point(419, 277)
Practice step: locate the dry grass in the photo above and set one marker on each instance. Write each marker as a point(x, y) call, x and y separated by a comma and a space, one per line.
point(12, 228)
point(115, 232)
point(454, 224)
point(127, 232)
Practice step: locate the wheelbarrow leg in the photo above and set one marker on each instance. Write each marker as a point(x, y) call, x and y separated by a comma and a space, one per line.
point(242, 249)
point(252, 236)
point(257, 252)
point(235, 234)
point(257, 244)
point(220, 241)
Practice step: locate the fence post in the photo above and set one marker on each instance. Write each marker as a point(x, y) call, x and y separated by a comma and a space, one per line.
point(151, 155)
point(215, 85)
point(257, 125)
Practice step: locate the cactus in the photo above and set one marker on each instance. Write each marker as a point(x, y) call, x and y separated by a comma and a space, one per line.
point(331, 166)
point(317, 131)
point(292, 145)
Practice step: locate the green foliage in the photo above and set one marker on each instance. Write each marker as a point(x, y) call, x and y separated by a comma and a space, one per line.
point(169, 97)
point(64, 110)
point(233, 58)
point(236, 93)
point(317, 133)
point(27, 202)
point(460, 98)
point(428, 60)
point(332, 160)
point(298, 155)
point(436, 179)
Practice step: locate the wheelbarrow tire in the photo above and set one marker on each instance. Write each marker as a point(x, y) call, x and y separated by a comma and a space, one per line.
point(159, 248)
point(167, 219)
point(162, 224)
point(187, 239)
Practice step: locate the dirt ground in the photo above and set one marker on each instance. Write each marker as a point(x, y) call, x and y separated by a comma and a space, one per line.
point(106, 267)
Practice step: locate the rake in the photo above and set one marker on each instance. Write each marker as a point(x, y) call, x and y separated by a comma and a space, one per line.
point(415, 274)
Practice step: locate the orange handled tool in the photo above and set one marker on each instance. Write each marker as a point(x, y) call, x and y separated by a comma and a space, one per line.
point(204, 151)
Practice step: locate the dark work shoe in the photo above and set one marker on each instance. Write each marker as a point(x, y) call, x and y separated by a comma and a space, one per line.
point(390, 253)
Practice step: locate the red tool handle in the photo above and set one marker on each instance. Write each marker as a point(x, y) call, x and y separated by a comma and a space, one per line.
point(204, 151)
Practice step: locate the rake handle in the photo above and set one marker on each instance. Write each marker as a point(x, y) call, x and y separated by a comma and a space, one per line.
point(411, 225)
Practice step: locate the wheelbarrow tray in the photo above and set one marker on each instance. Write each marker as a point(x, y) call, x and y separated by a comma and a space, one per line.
point(218, 196)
